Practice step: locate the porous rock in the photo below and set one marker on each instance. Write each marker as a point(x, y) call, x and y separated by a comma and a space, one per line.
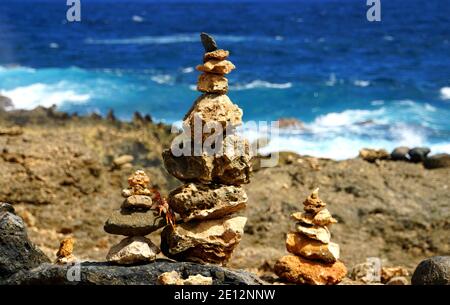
point(132, 250)
point(133, 223)
point(299, 244)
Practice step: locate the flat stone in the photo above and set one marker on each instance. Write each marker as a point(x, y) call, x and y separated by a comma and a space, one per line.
point(202, 201)
point(400, 154)
point(321, 234)
point(437, 161)
point(418, 154)
point(212, 83)
point(216, 66)
point(210, 241)
point(133, 223)
point(138, 202)
point(299, 244)
point(133, 250)
point(371, 155)
point(322, 218)
point(217, 54)
point(432, 271)
point(208, 42)
point(298, 270)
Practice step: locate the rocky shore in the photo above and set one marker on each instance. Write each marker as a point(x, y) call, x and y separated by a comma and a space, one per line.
point(61, 173)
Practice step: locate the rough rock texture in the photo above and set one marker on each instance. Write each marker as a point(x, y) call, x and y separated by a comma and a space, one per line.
point(321, 234)
point(371, 155)
point(400, 154)
point(217, 54)
point(299, 244)
point(212, 83)
point(418, 154)
point(65, 247)
point(216, 66)
point(137, 202)
point(398, 280)
point(295, 269)
point(211, 241)
point(133, 223)
point(367, 272)
point(387, 273)
point(322, 218)
point(437, 161)
point(5, 102)
point(432, 271)
point(174, 278)
point(111, 274)
point(132, 250)
point(16, 251)
point(201, 201)
point(208, 42)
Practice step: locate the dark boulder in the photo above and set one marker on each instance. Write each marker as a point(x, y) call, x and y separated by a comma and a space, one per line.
point(437, 161)
point(418, 154)
point(400, 153)
point(432, 271)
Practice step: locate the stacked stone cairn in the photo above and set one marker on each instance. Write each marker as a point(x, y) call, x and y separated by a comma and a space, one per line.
point(212, 192)
point(135, 219)
point(315, 258)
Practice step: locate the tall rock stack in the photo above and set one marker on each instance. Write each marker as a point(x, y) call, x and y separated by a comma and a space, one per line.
point(316, 258)
point(136, 218)
point(213, 177)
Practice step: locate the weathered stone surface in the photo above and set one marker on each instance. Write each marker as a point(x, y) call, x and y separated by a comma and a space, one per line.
point(105, 273)
point(321, 234)
point(217, 54)
point(371, 155)
point(211, 241)
point(387, 273)
point(398, 280)
point(418, 154)
point(437, 161)
point(122, 160)
point(400, 154)
point(299, 244)
point(212, 83)
point(198, 279)
point(5, 102)
point(313, 204)
point(133, 250)
point(65, 247)
point(432, 271)
point(174, 278)
point(137, 202)
point(322, 218)
point(201, 201)
point(133, 223)
point(367, 272)
point(16, 251)
point(189, 168)
point(299, 270)
point(208, 42)
point(217, 66)
point(11, 131)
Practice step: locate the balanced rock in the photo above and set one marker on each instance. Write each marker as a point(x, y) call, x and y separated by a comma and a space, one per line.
point(132, 250)
point(437, 161)
point(137, 202)
point(319, 233)
point(216, 66)
point(371, 155)
point(212, 83)
point(211, 241)
point(133, 223)
point(418, 154)
point(217, 54)
point(296, 269)
point(301, 245)
point(203, 201)
point(432, 271)
point(313, 204)
point(400, 154)
point(322, 218)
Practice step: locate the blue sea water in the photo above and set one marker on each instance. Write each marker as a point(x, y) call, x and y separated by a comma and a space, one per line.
point(354, 83)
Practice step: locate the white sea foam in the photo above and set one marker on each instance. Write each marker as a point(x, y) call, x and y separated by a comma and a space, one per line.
point(53, 45)
point(187, 70)
point(445, 93)
point(39, 94)
point(361, 83)
point(162, 79)
point(261, 84)
point(137, 18)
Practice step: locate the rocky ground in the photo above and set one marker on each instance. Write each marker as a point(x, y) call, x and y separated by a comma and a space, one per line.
point(58, 172)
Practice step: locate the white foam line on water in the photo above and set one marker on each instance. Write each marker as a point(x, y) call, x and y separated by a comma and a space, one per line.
point(445, 93)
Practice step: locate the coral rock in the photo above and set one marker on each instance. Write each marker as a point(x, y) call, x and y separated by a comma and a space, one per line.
point(321, 234)
point(139, 178)
point(137, 202)
point(299, 270)
point(217, 54)
point(201, 201)
point(65, 247)
point(216, 66)
point(133, 250)
point(299, 244)
point(133, 223)
point(212, 83)
point(211, 241)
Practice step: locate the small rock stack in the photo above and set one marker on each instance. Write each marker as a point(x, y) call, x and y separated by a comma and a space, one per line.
point(315, 259)
point(212, 189)
point(135, 219)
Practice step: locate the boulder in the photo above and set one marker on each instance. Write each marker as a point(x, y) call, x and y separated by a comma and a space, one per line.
point(203, 201)
point(432, 271)
point(321, 234)
point(400, 154)
point(212, 83)
point(210, 241)
point(437, 161)
point(371, 155)
point(418, 154)
point(137, 202)
point(299, 244)
point(296, 269)
point(17, 253)
point(133, 223)
point(133, 250)
point(216, 66)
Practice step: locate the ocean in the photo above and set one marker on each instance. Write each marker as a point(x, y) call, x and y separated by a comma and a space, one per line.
point(353, 83)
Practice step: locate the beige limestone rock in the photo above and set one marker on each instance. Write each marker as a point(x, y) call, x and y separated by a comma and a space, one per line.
point(217, 54)
point(122, 160)
point(139, 178)
point(299, 244)
point(212, 83)
point(387, 273)
point(371, 155)
point(210, 241)
point(313, 203)
point(133, 250)
point(322, 218)
point(321, 234)
point(137, 202)
point(198, 279)
point(202, 201)
point(216, 66)
point(65, 247)
point(296, 269)
point(174, 278)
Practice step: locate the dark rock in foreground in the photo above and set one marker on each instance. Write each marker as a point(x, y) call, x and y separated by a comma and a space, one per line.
point(437, 161)
point(16, 251)
point(110, 274)
point(432, 271)
point(400, 154)
point(418, 154)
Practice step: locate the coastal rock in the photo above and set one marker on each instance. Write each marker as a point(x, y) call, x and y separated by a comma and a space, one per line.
point(211, 241)
point(321, 234)
point(122, 160)
point(174, 278)
point(313, 203)
point(208, 42)
point(400, 154)
point(212, 83)
point(189, 168)
point(371, 155)
point(133, 223)
point(437, 161)
point(418, 154)
point(5, 102)
point(201, 201)
point(387, 273)
point(198, 279)
point(398, 280)
point(132, 250)
point(217, 54)
point(11, 131)
point(139, 179)
point(322, 218)
point(299, 270)
point(65, 247)
point(367, 272)
point(137, 202)
point(432, 271)
point(311, 249)
point(216, 66)
point(17, 253)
